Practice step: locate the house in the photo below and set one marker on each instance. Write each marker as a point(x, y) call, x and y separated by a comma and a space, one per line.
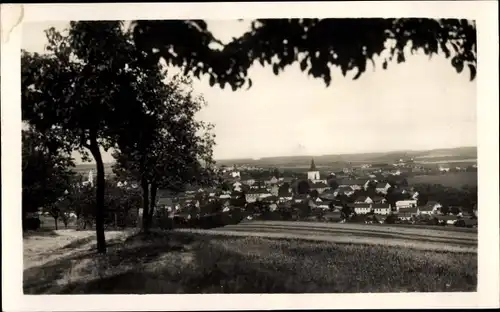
point(434, 206)
point(363, 199)
point(248, 181)
point(274, 190)
point(382, 187)
point(273, 180)
point(325, 205)
point(447, 219)
point(270, 199)
point(353, 184)
point(425, 210)
point(362, 208)
point(378, 200)
point(273, 207)
point(345, 190)
point(237, 184)
point(406, 203)
point(407, 213)
point(251, 196)
point(285, 197)
point(327, 195)
point(235, 174)
point(300, 198)
point(380, 217)
point(381, 209)
point(444, 168)
point(320, 187)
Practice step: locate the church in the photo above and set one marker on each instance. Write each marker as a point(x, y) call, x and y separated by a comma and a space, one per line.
point(313, 173)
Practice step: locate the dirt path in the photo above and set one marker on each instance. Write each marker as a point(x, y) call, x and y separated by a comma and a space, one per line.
point(41, 249)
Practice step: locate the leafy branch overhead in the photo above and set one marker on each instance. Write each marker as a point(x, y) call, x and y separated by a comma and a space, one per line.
point(318, 45)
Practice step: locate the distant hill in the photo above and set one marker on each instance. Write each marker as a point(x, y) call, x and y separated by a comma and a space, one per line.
point(341, 160)
point(336, 161)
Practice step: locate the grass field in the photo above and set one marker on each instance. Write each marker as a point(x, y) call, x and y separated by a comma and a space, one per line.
point(454, 179)
point(305, 258)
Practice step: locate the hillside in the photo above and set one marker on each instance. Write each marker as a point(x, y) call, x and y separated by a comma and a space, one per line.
point(340, 160)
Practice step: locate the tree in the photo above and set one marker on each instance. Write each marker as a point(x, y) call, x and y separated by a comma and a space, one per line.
point(86, 88)
point(332, 182)
point(46, 172)
point(302, 187)
point(170, 148)
point(314, 193)
point(283, 189)
point(276, 173)
point(316, 44)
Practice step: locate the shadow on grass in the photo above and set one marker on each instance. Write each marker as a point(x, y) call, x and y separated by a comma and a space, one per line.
point(56, 276)
point(39, 233)
point(168, 262)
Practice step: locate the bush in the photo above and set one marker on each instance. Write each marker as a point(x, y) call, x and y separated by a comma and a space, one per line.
point(32, 224)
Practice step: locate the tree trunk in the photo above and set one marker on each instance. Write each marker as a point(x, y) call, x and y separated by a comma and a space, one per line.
point(154, 189)
point(100, 189)
point(145, 204)
point(55, 222)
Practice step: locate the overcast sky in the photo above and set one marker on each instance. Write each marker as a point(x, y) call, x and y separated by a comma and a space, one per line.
point(420, 104)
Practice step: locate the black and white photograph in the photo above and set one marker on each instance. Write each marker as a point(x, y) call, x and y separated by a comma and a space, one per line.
point(248, 155)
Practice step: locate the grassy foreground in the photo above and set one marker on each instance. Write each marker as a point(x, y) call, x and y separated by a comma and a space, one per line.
point(173, 262)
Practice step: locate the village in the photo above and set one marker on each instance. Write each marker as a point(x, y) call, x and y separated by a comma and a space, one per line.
point(370, 194)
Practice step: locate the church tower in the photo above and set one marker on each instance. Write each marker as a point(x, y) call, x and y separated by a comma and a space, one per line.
point(313, 173)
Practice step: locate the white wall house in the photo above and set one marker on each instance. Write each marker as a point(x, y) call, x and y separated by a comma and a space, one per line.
point(383, 209)
point(363, 200)
point(362, 208)
point(382, 188)
point(410, 203)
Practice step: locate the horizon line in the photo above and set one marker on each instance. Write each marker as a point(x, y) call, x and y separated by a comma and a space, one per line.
point(316, 155)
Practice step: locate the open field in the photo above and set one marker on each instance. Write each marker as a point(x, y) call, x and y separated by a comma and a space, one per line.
point(452, 179)
point(305, 258)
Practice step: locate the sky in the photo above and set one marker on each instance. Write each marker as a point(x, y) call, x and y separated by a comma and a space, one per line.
point(417, 105)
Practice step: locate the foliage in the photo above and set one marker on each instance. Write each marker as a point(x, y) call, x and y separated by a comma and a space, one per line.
point(465, 197)
point(332, 183)
point(302, 187)
point(85, 88)
point(170, 148)
point(46, 172)
point(314, 194)
point(283, 189)
point(318, 45)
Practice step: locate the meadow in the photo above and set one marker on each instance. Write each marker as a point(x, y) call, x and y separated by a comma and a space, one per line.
point(451, 179)
point(206, 261)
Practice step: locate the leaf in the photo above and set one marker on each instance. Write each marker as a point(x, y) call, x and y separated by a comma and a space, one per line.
point(276, 69)
point(249, 83)
point(212, 80)
point(400, 57)
point(472, 69)
point(303, 64)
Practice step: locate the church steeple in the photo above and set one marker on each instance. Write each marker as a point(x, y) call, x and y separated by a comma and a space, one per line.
point(313, 166)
